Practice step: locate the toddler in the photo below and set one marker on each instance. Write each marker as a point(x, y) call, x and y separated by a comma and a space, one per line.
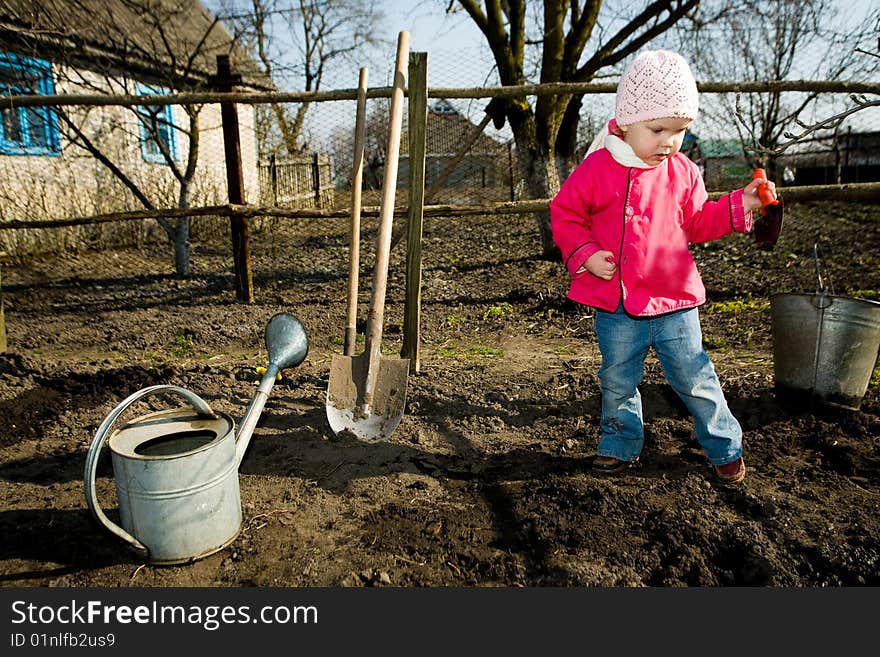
point(623, 221)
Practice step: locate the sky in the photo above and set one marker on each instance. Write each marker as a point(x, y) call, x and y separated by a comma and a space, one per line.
point(431, 30)
point(440, 34)
point(457, 52)
point(458, 55)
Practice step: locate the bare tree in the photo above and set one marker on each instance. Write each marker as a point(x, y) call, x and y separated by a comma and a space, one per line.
point(859, 102)
point(296, 43)
point(759, 40)
point(546, 130)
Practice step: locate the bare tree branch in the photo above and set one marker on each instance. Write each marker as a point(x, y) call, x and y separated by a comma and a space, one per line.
point(830, 123)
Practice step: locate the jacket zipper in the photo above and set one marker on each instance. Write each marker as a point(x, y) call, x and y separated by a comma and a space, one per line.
point(623, 236)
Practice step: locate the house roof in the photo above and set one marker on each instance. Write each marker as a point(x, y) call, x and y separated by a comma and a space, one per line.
point(720, 148)
point(157, 41)
point(844, 148)
point(447, 131)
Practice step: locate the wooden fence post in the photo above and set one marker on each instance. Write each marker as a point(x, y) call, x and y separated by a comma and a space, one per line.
point(510, 169)
point(2, 320)
point(316, 177)
point(418, 118)
point(273, 175)
point(241, 258)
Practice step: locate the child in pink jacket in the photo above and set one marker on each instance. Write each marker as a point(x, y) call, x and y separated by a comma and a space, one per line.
point(623, 221)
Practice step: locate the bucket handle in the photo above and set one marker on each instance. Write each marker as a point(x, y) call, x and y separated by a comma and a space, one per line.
point(820, 301)
point(198, 404)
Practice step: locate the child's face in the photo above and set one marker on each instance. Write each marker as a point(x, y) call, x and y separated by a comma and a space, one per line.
point(655, 140)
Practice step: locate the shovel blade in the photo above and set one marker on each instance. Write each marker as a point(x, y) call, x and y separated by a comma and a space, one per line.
point(348, 411)
point(768, 226)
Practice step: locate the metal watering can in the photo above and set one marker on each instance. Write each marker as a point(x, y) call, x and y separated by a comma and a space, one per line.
point(176, 471)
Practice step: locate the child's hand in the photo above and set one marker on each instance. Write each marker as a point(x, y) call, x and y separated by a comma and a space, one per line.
point(751, 200)
point(601, 264)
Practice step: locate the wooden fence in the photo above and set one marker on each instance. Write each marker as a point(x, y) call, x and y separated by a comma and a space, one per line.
point(304, 181)
point(282, 192)
point(2, 318)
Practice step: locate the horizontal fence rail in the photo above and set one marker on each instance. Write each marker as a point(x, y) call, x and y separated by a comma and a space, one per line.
point(463, 175)
point(543, 89)
point(868, 192)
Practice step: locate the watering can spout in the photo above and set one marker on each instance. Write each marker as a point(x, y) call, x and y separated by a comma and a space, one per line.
point(288, 344)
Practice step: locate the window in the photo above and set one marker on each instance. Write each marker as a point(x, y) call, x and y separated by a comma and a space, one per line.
point(27, 130)
point(157, 128)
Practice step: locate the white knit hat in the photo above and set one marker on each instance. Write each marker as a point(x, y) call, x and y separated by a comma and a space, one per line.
point(657, 84)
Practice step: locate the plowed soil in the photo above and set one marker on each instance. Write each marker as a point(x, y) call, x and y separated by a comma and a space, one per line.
point(487, 481)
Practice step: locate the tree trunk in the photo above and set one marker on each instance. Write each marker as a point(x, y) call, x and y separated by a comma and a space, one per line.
point(566, 138)
point(180, 236)
point(548, 132)
point(541, 180)
point(182, 248)
point(538, 166)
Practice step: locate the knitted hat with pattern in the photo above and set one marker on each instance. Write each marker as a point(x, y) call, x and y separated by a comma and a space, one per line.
point(657, 84)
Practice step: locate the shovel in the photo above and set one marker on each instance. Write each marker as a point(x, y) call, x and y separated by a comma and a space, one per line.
point(768, 225)
point(366, 393)
point(355, 236)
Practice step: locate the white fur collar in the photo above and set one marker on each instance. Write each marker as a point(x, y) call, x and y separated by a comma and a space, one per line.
point(619, 149)
point(624, 154)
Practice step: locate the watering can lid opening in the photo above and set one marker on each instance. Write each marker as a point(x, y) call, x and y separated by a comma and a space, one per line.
point(193, 433)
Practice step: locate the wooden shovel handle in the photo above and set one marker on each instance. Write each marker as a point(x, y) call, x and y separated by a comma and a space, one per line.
point(373, 337)
point(355, 236)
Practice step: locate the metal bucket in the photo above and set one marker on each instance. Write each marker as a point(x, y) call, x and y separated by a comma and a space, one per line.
point(826, 345)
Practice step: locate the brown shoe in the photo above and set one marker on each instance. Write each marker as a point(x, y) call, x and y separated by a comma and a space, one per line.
point(731, 473)
point(611, 465)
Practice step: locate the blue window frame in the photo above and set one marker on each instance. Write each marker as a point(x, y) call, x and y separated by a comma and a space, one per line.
point(27, 130)
point(157, 125)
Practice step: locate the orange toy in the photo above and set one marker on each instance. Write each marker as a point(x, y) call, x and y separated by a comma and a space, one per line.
point(768, 226)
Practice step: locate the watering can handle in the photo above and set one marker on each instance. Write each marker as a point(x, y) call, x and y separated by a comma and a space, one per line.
point(198, 404)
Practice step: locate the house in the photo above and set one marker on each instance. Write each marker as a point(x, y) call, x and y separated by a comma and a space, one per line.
point(48, 163)
point(722, 161)
point(483, 172)
point(824, 159)
point(841, 157)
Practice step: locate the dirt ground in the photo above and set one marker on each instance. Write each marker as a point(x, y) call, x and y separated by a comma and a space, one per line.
point(486, 482)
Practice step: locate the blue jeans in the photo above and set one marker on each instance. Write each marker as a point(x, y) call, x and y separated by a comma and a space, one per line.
point(678, 342)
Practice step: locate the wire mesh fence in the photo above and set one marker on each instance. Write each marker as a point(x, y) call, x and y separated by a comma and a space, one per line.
point(69, 160)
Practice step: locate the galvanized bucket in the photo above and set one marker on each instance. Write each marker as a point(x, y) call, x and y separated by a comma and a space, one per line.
point(826, 345)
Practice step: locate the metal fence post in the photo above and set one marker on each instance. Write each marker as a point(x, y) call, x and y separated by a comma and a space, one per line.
point(244, 284)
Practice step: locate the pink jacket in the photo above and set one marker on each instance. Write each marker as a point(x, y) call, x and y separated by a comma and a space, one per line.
point(646, 218)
